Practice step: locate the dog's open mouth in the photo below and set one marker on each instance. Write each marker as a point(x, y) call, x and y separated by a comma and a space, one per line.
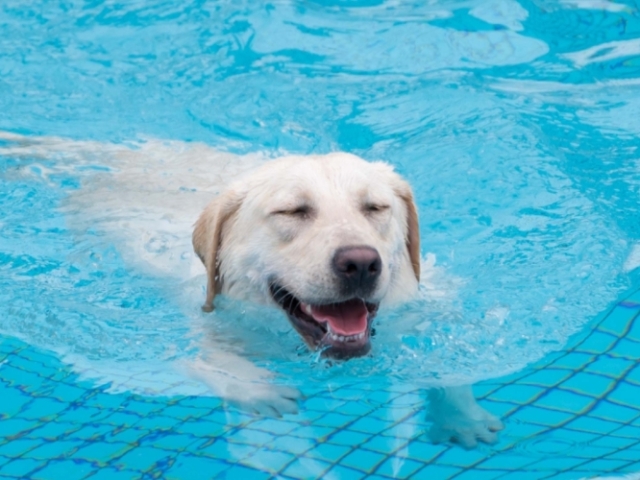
point(341, 330)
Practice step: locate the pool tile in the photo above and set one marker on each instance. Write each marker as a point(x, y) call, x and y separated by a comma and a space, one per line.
point(184, 413)
point(541, 416)
point(611, 367)
point(631, 468)
point(43, 409)
point(399, 467)
point(141, 408)
point(627, 431)
point(105, 401)
point(323, 404)
point(557, 464)
point(384, 444)
point(349, 438)
point(292, 445)
point(340, 472)
point(13, 402)
point(617, 413)
point(357, 409)
point(593, 425)
point(602, 465)
point(170, 441)
point(565, 401)
point(236, 472)
point(192, 467)
point(91, 431)
point(617, 321)
point(81, 414)
point(201, 428)
point(510, 461)
point(250, 436)
point(15, 427)
point(588, 384)
point(634, 331)
point(616, 443)
point(21, 467)
point(125, 435)
point(625, 394)
point(320, 434)
point(597, 342)
point(113, 474)
point(268, 460)
point(275, 427)
point(102, 452)
point(634, 375)
point(435, 472)
point(66, 393)
point(53, 430)
point(55, 449)
point(457, 457)
point(307, 468)
point(17, 377)
point(587, 452)
point(625, 349)
point(329, 452)
point(334, 420)
point(629, 454)
point(64, 469)
point(518, 394)
point(545, 378)
point(363, 460)
point(142, 458)
point(17, 448)
point(370, 425)
point(480, 475)
point(570, 361)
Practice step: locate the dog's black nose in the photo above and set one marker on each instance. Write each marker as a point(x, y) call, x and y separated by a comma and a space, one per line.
point(358, 268)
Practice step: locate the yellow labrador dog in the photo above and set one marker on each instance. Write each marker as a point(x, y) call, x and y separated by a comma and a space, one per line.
point(326, 239)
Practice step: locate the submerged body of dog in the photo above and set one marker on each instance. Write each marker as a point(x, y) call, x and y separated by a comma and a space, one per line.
point(327, 239)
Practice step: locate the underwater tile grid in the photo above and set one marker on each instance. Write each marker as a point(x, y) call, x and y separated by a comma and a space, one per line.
point(573, 415)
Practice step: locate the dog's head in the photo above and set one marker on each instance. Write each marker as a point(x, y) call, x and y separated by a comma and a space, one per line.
point(325, 238)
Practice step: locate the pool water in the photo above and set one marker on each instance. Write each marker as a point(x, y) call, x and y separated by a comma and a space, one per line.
point(516, 124)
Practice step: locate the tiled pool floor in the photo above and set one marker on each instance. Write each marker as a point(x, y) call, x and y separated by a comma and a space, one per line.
point(573, 415)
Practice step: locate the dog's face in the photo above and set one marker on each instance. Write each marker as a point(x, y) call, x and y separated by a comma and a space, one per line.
point(325, 238)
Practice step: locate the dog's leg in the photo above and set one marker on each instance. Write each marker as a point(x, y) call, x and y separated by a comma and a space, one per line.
point(242, 384)
point(458, 418)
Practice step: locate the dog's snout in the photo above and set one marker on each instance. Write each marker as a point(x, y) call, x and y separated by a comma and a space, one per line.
point(357, 267)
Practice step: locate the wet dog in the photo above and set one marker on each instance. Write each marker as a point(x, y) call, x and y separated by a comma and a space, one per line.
point(326, 239)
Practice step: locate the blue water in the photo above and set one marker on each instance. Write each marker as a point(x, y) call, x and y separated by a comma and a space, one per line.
point(515, 122)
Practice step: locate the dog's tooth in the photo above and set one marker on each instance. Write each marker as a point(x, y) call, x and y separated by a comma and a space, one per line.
point(306, 308)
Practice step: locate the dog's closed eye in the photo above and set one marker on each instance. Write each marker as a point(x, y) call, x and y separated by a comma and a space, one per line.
point(372, 208)
point(300, 211)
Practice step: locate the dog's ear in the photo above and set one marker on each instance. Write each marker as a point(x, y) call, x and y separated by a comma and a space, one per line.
point(413, 230)
point(207, 238)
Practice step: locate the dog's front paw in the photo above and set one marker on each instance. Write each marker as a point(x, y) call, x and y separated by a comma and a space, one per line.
point(263, 398)
point(457, 418)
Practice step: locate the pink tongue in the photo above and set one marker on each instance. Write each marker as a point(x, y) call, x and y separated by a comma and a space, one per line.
point(346, 318)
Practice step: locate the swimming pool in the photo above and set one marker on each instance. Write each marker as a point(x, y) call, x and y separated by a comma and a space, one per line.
point(516, 124)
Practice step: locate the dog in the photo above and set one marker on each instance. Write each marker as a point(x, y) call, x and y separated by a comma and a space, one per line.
point(327, 240)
